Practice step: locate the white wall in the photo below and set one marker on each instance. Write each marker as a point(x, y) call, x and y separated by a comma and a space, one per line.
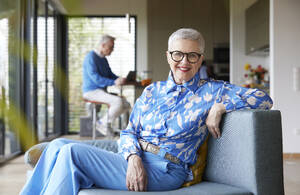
point(238, 57)
point(284, 55)
point(116, 7)
point(157, 19)
point(210, 17)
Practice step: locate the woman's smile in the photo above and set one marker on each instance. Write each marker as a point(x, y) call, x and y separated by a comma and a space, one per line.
point(184, 68)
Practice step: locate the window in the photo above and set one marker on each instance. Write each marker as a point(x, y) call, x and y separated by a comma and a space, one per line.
point(41, 68)
point(9, 47)
point(27, 61)
point(83, 36)
point(50, 69)
point(46, 58)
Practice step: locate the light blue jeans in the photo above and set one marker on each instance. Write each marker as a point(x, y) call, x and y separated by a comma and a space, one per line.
point(66, 166)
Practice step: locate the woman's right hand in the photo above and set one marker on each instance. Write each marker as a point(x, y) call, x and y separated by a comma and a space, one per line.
point(120, 81)
point(214, 118)
point(136, 177)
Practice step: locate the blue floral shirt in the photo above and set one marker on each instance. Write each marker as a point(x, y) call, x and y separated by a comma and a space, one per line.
point(173, 116)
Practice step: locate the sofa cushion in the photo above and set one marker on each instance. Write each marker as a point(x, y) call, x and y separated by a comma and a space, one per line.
point(199, 166)
point(203, 188)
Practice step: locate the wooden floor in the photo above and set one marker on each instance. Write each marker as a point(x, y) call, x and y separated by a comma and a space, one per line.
point(13, 175)
point(291, 174)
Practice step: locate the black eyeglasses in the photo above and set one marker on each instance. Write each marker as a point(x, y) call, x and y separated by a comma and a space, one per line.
point(192, 57)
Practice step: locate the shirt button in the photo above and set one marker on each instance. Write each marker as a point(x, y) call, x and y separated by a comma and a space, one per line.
point(183, 90)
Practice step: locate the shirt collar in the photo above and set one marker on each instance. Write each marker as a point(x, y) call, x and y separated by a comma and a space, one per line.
point(98, 53)
point(171, 85)
point(191, 85)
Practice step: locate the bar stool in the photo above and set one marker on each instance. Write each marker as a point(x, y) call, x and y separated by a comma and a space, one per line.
point(94, 104)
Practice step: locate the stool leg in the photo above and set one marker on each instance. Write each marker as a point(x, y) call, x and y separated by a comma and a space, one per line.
point(108, 124)
point(94, 121)
point(120, 122)
point(126, 119)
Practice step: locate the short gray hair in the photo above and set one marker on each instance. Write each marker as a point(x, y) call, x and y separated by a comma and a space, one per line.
point(189, 34)
point(105, 38)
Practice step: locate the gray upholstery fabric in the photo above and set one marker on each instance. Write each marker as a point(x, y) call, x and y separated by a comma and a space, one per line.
point(204, 188)
point(108, 145)
point(249, 152)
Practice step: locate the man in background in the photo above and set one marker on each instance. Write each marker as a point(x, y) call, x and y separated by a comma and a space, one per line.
point(97, 76)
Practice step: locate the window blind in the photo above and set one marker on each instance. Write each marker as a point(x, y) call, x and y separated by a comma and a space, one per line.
point(50, 71)
point(45, 68)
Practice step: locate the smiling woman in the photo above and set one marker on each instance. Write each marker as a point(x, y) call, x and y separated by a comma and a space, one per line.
point(170, 121)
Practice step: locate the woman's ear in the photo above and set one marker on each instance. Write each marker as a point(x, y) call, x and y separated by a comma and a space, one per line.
point(202, 58)
point(169, 60)
point(201, 61)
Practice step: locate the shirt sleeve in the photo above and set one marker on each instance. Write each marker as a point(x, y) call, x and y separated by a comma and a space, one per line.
point(111, 74)
point(94, 75)
point(129, 137)
point(235, 98)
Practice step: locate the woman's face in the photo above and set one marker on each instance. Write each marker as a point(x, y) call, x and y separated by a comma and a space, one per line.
point(184, 71)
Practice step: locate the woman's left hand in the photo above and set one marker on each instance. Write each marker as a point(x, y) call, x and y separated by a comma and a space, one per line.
point(213, 119)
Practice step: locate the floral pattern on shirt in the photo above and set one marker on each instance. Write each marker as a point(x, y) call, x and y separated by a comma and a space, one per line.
point(173, 116)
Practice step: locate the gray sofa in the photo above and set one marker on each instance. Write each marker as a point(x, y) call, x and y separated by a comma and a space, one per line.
point(247, 159)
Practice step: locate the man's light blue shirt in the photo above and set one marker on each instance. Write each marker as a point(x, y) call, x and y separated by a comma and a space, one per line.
point(96, 73)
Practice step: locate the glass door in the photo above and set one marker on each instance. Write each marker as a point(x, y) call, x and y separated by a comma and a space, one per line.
point(46, 63)
point(9, 85)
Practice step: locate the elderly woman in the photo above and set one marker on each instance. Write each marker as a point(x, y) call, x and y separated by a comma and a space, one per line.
point(168, 124)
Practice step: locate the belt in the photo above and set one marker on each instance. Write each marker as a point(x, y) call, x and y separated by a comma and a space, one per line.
point(148, 147)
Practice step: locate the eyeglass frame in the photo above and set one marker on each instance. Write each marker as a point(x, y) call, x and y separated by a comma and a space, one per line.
point(198, 54)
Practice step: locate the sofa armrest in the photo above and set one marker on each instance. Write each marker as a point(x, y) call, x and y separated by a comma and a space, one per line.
point(33, 154)
point(249, 152)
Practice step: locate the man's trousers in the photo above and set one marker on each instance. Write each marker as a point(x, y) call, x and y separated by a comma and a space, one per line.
point(118, 105)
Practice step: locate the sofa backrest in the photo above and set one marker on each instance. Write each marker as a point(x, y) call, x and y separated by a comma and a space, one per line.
point(104, 144)
point(249, 152)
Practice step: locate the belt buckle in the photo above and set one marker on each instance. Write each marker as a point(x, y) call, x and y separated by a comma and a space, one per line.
point(152, 149)
point(172, 158)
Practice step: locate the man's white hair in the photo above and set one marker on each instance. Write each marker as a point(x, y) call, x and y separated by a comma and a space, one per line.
point(189, 34)
point(105, 38)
